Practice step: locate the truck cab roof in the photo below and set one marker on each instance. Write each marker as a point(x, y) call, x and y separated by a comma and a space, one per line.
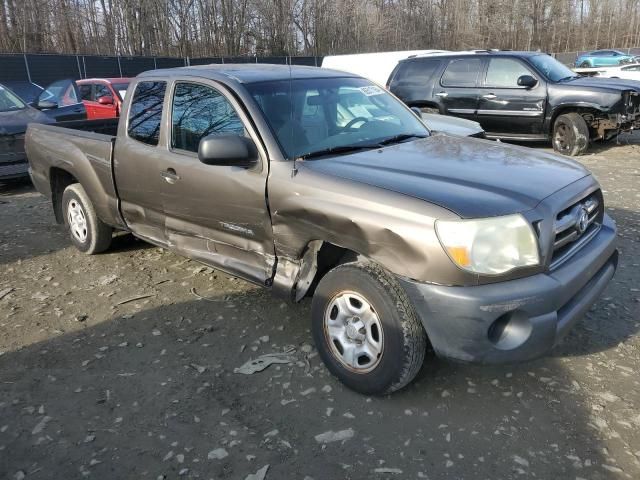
point(248, 73)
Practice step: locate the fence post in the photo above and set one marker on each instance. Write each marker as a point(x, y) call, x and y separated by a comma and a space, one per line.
point(119, 66)
point(26, 65)
point(79, 69)
point(155, 64)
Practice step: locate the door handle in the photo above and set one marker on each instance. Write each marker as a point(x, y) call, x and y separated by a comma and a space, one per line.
point(442, 94)
point(170, 175)
point(489, 96)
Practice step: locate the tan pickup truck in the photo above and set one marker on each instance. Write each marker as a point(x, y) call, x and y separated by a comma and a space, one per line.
point(318, 183)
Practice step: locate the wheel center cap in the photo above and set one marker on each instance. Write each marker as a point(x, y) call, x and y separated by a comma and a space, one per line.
point(353, 333)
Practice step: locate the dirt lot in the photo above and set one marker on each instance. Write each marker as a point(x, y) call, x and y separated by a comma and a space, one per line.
point(112, 367)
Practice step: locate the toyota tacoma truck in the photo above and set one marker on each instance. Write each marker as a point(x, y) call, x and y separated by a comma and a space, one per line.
point(319, 183)
point(520, 96)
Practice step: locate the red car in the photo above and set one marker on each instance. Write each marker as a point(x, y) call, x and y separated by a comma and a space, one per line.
point(103, 97)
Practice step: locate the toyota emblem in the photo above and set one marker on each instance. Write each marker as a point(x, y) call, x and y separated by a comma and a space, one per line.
point(583, 221)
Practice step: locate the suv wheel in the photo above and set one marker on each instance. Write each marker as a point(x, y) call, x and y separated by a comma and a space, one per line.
point(88, 233)
point(570, 134)
point(366, 330)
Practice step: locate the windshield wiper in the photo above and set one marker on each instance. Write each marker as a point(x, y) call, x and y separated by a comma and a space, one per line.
point(399, 138)
point(354, 148)
point(337, 150)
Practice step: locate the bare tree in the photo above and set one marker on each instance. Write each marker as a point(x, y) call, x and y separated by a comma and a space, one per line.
point(312, 27)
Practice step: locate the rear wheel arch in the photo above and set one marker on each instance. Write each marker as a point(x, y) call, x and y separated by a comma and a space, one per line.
point(59, 180)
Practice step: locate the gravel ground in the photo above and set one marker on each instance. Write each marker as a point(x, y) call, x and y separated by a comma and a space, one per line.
point(114, 367)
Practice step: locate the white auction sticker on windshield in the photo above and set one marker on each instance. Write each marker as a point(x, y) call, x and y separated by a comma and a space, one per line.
point(371, 90)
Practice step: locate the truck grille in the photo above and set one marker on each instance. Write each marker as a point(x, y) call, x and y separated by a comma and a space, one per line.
point(575, 226)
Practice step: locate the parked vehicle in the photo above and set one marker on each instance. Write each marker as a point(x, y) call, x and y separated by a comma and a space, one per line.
point(14, 117)
point(103, 97)
point(61, 101)
point(374, 66)
point(520, 96)
point(378, 66)
point(27, 91)
point(315, 182)
point(603, 58)
point(628, 72)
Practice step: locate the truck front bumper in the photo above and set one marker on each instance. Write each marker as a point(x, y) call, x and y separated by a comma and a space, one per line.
point(520, 319)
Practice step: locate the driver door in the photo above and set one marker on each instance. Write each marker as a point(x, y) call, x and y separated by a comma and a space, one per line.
point(64, 98)
point(213, 213)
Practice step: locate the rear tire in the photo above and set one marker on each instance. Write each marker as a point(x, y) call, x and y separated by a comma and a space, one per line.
point(88, 233)
point(366, 330)
point(570, 134)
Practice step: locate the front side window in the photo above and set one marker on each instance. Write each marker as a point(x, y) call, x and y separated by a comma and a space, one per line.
point(9, 101)
point(199, 111)
point(504, 73)
point(145, 113)
point(462, 73)
point(102, 91)
point(309, 116)
point(62, 93)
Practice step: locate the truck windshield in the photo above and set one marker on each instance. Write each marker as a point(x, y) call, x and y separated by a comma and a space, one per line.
point(9, 101)
point(552, 68)
point(315, 115)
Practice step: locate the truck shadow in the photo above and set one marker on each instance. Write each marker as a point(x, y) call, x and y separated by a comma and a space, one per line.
point(126, 392)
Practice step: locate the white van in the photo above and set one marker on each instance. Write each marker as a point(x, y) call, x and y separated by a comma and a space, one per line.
point(377, 67)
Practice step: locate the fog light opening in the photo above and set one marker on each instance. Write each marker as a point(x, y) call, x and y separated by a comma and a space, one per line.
point(510, 330)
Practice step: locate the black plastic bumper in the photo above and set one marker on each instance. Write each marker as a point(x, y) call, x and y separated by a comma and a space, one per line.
point(13, 170)
point(520, 319)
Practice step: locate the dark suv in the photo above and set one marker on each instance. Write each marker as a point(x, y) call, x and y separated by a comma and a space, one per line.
point(520, 96)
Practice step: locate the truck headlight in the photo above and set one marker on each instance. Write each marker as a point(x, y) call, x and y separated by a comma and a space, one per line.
point(490, 245)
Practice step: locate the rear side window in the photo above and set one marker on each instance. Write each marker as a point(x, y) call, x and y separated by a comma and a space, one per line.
point(198, 111)
point(462, 73)
point(417, 71)
point(145, 112)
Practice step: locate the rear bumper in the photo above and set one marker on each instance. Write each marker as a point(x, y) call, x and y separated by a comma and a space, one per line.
point(520, 319)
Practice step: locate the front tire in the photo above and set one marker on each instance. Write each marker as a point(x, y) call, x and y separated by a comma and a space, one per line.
point(88, 233)
point(570, 134)
point(366, 330)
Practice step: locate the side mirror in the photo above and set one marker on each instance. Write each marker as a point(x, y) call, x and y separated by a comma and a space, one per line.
point(46, 105)
point(527, 81)
point(106, 100)
point(228, 150)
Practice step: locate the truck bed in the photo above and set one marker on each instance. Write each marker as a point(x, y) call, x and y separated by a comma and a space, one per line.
point(79, 151)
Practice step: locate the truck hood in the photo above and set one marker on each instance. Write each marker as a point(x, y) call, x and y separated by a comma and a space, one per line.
point(617, 84)
point(473, 178)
